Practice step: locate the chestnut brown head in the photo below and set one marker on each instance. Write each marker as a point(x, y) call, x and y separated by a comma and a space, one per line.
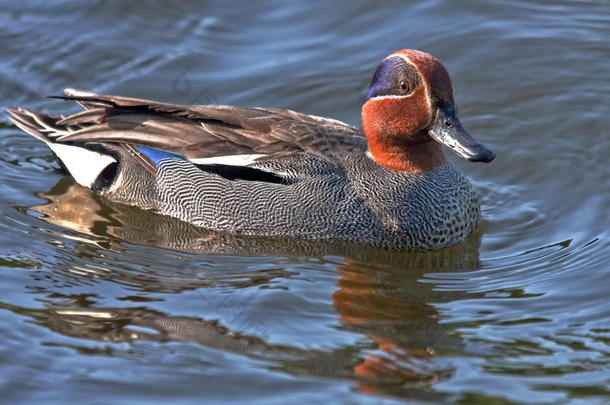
point(409, 111)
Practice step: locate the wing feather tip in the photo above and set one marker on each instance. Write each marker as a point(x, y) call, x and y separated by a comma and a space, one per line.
point(78, 92)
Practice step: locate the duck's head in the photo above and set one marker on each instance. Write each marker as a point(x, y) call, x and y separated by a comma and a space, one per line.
point(409, 112)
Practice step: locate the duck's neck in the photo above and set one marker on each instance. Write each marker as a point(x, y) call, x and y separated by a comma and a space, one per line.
point(408, 157)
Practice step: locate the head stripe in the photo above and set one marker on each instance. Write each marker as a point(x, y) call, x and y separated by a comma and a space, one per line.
point(394, 77)
point(404, 55)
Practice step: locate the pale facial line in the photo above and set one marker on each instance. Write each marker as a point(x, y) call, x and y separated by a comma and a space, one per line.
point(389, 96)
point(427, 90)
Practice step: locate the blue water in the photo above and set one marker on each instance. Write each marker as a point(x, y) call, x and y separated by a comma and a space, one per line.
point(102, 303)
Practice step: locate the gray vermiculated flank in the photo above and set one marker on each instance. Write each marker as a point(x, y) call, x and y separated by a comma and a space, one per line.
point(370, 204)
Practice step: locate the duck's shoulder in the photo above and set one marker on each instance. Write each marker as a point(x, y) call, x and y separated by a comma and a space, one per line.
point(300, 166)
point(287, 131)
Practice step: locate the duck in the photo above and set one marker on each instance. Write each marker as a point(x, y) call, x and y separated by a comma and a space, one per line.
point(269, 172)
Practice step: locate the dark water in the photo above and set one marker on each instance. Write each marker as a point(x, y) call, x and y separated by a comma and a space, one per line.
point(101, 303)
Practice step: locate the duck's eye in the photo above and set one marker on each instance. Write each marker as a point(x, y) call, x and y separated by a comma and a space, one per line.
point(404, 85)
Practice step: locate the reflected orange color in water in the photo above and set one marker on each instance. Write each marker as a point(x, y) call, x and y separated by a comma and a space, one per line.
point(361, 301)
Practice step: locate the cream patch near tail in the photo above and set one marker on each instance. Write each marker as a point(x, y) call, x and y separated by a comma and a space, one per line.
point(84, 165)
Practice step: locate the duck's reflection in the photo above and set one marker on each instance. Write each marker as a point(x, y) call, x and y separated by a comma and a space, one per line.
point(378, 295)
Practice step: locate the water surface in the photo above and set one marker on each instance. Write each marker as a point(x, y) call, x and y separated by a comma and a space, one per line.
point(102, 303)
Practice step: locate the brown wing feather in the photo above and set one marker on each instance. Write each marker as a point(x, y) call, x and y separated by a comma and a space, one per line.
point(205, 130)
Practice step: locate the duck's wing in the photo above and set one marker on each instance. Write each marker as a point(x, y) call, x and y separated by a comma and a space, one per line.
point(204, 131)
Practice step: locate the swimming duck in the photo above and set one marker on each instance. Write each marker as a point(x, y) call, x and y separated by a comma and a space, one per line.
point(276, 172)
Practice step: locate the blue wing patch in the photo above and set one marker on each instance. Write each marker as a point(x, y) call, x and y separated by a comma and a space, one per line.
point(156, 155)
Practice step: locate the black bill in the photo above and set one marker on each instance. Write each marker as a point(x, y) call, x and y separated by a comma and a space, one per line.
point(448, 130)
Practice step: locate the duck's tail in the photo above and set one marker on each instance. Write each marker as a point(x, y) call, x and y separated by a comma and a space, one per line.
point(41, 126)
point(86, 163)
